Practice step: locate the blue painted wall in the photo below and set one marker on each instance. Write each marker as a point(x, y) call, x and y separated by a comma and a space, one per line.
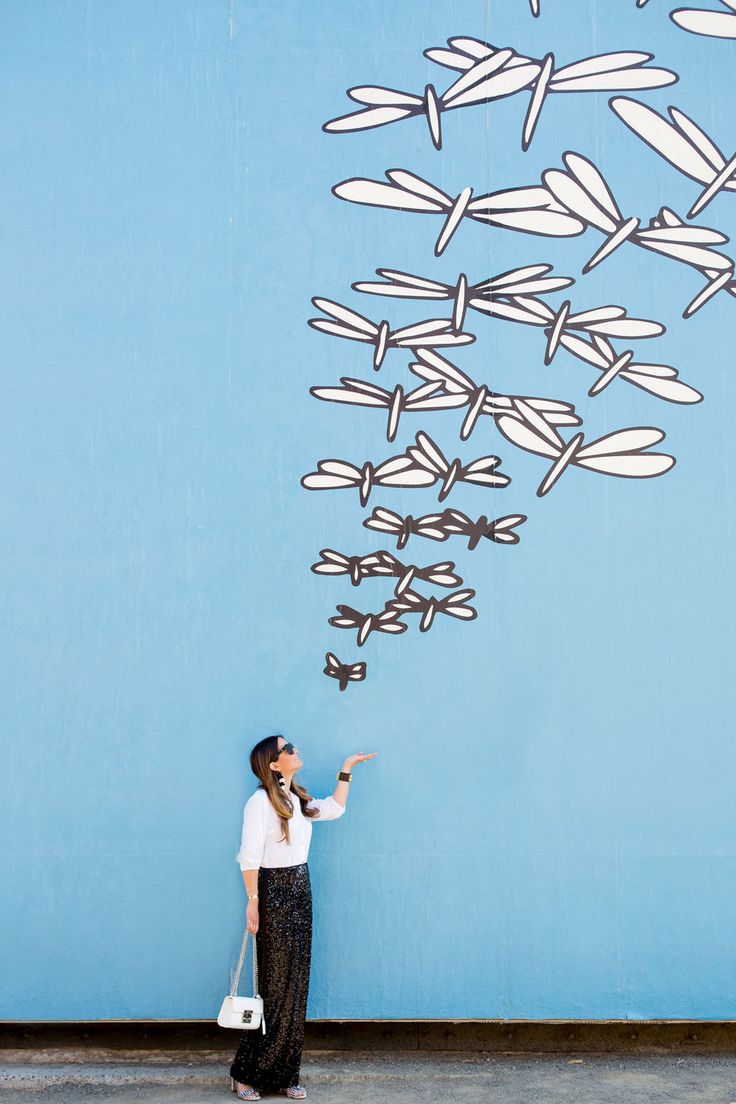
point(547, 830)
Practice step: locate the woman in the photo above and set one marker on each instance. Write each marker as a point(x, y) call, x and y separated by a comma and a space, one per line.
point(277, 829)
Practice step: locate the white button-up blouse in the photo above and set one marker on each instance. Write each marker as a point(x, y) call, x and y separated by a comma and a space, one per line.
point(261, 843)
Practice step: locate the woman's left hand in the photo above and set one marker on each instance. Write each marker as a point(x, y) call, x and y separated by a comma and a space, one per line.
point(353, 759)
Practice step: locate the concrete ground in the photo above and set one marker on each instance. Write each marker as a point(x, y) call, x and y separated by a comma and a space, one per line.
point(339, 1077)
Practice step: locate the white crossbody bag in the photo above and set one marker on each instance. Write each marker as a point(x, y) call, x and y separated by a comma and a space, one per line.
point(243, 1013)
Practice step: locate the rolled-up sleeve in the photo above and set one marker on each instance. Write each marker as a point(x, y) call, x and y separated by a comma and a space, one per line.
point(329, 809)
point(253, 836)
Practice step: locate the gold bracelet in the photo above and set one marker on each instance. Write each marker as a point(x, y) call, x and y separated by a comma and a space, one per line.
point(252, 896)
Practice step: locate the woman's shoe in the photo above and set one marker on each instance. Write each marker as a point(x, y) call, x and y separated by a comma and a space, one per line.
point(295, 1092)
point(244, 1094)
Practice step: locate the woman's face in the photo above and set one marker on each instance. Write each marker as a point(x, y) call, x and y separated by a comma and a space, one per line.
point(286, 762)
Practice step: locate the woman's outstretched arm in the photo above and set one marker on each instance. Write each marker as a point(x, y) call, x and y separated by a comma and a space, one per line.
point(342, 789)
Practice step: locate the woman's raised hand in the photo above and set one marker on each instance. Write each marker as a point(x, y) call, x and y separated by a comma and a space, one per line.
point(359, 758)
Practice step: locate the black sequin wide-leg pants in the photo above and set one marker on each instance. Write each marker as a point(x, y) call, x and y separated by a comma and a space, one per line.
point(272, 1061)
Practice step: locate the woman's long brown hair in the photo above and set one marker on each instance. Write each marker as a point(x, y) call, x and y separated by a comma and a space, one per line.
point(260, 757)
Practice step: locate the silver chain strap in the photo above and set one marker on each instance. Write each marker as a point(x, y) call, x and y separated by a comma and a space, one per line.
point(241, 960)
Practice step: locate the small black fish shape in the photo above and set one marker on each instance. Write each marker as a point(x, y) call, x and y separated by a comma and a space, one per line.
point(343, 672)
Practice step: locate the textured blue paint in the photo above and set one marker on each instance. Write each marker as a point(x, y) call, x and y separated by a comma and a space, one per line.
point(547, 830)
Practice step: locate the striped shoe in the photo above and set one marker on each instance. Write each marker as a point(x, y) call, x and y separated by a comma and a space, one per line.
point(244, 1094)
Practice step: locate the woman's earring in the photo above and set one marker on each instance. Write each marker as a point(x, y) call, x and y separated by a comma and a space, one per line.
point(280, 779)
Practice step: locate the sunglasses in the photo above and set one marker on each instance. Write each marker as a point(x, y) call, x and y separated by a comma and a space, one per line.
point(288, 748)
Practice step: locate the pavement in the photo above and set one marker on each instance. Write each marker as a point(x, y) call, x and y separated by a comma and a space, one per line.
point(339, 1077)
